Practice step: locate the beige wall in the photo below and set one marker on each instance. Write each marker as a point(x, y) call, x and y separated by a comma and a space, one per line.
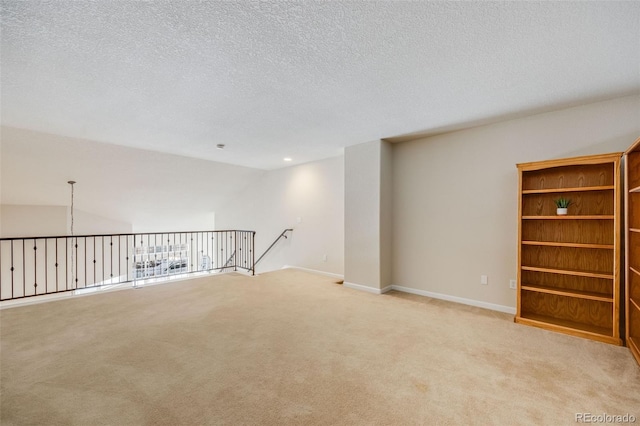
point(386, 214)
point(368, 211)
point(312, 192)
point(455, 195)
point(362, 215)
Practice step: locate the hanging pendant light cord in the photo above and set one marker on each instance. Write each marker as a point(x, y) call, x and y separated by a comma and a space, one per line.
point(72, 210)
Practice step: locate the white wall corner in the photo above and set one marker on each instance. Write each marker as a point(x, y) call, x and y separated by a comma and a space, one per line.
point(462, 300)
point(386, 289)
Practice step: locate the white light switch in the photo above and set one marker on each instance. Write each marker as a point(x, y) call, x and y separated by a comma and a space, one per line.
point(484, 280)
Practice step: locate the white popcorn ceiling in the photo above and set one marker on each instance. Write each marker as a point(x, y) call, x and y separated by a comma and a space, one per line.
point(302, 79)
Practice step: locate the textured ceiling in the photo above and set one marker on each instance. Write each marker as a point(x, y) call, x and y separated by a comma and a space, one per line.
point(302, 79)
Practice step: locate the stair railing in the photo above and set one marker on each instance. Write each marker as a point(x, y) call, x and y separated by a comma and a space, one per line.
point(283, 234)
point(35, 266)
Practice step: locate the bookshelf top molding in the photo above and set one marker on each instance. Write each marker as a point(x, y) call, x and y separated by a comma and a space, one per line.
point(634, 147)
point(586, 159)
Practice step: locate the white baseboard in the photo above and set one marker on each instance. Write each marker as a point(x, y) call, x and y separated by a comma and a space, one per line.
point(464, 301)
point(315, 271)
point(368, 289)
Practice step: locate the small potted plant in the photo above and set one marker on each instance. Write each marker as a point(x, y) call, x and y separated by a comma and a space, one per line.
point(562, 204)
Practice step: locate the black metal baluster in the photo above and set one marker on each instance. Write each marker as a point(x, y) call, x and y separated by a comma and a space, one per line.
point(135, 258)
point(35, 267)
point(239, 245)
point(111, 259)
point(12, 270)
point(94, 260)
point(170, 255)
point(85, 262)
point(197, 251)
point(201, 242)
point(212, 250)
point(24, 268)
point(77, 280)
point(245, 253)
point(127, 258)
point(143, 266)
point(102, 265)
point(57, 266)
point(66, 263)
point(155, 253)
point(46, 266)
point(119, 256)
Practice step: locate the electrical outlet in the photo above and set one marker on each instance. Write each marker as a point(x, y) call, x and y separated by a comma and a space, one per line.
point(299, 219)
point(512, 284)
point(324, 258)
point(484, 280)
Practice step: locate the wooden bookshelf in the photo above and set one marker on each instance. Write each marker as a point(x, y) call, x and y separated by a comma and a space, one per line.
point(568, 266)
point(632, 249)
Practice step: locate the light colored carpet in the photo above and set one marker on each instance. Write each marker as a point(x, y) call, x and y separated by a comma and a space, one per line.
point(290, 347)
